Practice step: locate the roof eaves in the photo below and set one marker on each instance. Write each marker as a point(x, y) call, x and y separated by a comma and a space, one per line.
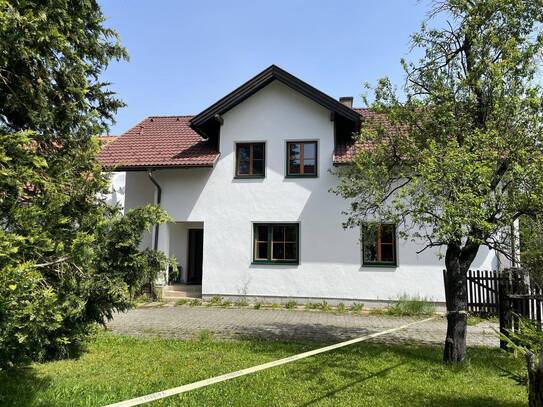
point(262, 79)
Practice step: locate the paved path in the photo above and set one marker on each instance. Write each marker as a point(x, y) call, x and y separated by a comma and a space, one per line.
point(186, 322)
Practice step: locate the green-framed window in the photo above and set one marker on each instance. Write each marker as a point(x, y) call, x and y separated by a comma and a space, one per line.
point(379, 245)
point(276, 243)
point(302, 159)
point(250, 160)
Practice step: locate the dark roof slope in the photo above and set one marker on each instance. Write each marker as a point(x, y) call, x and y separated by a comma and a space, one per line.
point(159, 141)
point(203, 121)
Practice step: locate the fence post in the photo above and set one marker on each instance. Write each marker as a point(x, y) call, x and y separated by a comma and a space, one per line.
point(503, 306)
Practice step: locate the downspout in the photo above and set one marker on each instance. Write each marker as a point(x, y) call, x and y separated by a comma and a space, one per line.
point(158, 195)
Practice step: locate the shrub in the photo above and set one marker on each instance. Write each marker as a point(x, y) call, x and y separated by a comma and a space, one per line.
point(291, 304)
point(410, 306)
point(195, 302)
point(528, 342)
point(216, 300)
point(324, 306)
point(356, 307)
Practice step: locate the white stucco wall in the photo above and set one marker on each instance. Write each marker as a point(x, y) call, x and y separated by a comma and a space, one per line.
point(330, 257)
point(116, 189)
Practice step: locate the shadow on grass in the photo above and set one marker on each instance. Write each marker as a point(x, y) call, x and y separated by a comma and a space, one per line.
point(361, 379)
point(460, 400)
point(19, 387)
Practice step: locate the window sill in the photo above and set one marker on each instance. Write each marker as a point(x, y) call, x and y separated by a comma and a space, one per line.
point(301, 176)
point(390, 266)
point(274, 263)
point(249, 176)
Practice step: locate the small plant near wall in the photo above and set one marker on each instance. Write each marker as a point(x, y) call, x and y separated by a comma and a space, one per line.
point(311, 306)
point(241, 303)
point(324, 306)
point(216, 300)
point(195, 302)
point(181, 301)
point(411, 306)
point(356, 307)
point(291, 304)
point(226, 303)
point(341, 308)
point(257, 305)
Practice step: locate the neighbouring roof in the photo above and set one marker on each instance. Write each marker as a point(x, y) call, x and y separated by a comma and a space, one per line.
point(159, 142)
point(106, 139)
point(344, 152)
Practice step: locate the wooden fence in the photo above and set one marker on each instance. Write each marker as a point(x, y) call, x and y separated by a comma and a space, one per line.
point(506, 294)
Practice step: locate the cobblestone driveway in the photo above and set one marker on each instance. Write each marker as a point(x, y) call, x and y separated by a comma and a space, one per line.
point(186, 322)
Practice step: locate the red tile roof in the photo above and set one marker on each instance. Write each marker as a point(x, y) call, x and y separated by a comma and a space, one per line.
point(345, 152)
point(107, 139)
point(159, 141)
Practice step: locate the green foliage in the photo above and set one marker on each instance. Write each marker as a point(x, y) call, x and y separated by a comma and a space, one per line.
point(204, 335)
point(321, 306)
point(216, 300)
point(531, 247)
point(460, 154)
point(67, 260)
point(195, 302)
point(356, 307)
point(181, 301)
point(258, 305)
point(291, 304)
point(341, 308)
point(120, 254)
point(410, 306)
point(527, 337)
point(527, 341)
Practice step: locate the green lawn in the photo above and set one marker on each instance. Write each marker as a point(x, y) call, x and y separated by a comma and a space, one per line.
point(116, 368)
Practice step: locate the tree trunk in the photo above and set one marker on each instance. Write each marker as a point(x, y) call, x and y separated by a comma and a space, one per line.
point(457, 262)
point(535, 380)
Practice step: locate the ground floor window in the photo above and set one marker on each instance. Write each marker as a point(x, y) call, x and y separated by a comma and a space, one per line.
point(275, 243)
point(379, 245)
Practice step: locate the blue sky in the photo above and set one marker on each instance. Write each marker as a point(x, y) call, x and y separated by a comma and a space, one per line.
point(185, 55)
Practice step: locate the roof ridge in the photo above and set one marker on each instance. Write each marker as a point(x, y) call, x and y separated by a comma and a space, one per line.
point(170, 115)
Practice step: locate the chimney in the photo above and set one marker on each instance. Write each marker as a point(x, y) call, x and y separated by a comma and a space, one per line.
point(347, 101)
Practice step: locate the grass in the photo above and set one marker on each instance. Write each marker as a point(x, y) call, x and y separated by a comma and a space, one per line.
point(407, 306)
point(367, 374)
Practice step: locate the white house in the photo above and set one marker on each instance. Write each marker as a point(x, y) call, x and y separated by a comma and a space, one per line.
point(247, 181)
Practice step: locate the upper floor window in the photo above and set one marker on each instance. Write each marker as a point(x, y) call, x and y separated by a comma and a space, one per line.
point(275, 243)
point(379, 245)
point(250, 159)
point(302, 158)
